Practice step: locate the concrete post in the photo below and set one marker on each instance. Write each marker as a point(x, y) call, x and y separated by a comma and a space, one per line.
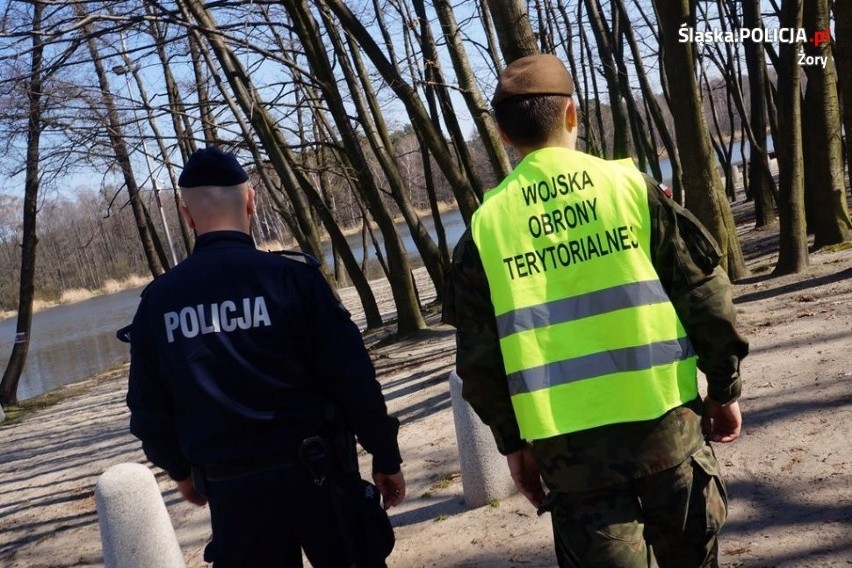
point(485, 475)
point(2, 415)
point(136, 531)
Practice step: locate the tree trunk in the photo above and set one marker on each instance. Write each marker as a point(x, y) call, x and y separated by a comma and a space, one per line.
point(514, 31)
point(793, 245)
point(559, 15)
point(651, 102)
point(586, 51)
point(825, 178)
point(703, 187)
point(205, 107)
point(26, 294)
point(760, 182)
point(183, 132)
point(843, 58)
point(435, 78)
point(620, 121)
point(155, 260)
point(476, 104)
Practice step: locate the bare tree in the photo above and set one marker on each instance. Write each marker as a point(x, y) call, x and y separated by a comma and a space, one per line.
point(843, 58)
point(409, 316)
point(760, 182)
point(476, 104)
point(514, 30)
point(620, 120)
point(465, 192)
point(153, 249)
point(793, 251)
point(15, 366)
point(703, 186)
point(822, 137)
point(376, 131)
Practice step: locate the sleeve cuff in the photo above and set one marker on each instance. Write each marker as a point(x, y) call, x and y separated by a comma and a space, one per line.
point(508, 437)
point(725, 395)
point(386, 466)
point(179, 473)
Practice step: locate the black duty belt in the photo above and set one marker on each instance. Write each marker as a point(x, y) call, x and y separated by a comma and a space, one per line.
point(230, 471)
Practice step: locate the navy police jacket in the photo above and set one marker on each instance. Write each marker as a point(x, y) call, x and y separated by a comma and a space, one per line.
point(234, 354)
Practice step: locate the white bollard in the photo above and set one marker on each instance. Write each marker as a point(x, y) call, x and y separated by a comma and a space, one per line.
point(136, 531)
point(485, 474)
point(2, 415)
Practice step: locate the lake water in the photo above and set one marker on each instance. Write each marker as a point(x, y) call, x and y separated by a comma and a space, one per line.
point(71, 342)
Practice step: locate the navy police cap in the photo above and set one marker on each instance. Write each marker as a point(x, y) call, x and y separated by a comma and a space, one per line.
point(212, 166)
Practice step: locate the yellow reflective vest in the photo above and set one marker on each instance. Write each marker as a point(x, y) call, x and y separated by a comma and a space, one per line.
point(587, 333)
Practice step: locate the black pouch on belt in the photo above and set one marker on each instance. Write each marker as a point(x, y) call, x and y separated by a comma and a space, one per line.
point(367, 522)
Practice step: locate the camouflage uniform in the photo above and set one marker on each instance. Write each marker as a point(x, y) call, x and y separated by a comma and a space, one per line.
point(619, 488)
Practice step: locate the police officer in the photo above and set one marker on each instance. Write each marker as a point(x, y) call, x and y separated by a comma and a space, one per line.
point(584, 299)
point(237, 358)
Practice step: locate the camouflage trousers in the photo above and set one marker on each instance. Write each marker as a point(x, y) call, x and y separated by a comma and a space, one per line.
point(667, 519)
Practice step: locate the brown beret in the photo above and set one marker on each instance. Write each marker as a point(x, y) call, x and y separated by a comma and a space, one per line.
point(542, 74)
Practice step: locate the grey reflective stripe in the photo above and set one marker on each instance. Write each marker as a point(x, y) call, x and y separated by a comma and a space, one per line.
point(599, 364)
point(585, 305)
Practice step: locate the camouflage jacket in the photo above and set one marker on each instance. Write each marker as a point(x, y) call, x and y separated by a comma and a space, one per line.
point(686, 259)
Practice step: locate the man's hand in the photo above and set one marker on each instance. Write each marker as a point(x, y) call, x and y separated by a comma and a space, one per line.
point(189, 493)
point(721, 423)
point(391, 486)
point(526, 476)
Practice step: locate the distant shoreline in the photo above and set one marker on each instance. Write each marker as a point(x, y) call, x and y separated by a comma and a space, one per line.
point(74, 295)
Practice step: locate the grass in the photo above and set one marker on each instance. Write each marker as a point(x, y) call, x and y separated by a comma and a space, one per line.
point(836, 248)
point(446, 481)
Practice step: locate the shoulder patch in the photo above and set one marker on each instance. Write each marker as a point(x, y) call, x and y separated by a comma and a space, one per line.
point(298, 256)
point(665, 189)
point(123, 334)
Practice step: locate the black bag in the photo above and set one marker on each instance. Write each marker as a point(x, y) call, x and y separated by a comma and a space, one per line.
point(366, 524)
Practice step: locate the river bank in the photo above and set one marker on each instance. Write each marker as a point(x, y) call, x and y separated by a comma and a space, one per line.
point(789, 477)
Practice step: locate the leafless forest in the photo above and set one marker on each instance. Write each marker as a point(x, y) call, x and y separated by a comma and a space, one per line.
point(352, 116)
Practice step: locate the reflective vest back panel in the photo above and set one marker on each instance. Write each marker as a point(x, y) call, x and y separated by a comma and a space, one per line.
point(587, 333)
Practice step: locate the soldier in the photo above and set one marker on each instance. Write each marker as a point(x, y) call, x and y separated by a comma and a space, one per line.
point(243, 364)
point(584, 299)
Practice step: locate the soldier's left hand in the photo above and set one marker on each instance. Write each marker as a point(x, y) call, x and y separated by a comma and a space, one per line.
point(525, 474)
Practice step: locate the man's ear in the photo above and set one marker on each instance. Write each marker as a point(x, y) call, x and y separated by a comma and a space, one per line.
point(571, 119)
point(250, 204)
point(188, 216)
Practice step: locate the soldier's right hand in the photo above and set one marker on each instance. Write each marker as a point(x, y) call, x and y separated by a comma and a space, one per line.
point(721, 423)
point(391, 486)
